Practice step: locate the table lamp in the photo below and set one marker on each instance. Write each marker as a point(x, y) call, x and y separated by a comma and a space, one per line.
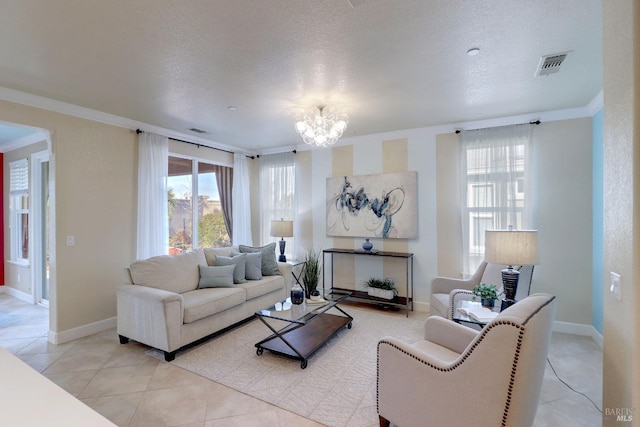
point(511, 247)
point(281, 228)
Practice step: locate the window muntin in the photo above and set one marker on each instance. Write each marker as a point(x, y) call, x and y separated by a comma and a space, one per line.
point(192, 188)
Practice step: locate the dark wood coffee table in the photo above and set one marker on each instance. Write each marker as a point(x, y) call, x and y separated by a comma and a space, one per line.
point(308, 327)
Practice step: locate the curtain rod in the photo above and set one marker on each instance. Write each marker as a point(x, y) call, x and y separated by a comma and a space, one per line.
point(139, 131)
point(534, 122)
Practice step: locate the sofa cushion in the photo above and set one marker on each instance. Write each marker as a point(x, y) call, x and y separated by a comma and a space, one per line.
point(211, 253)
point(219, 276)
point(269, 263)
point(253, 266)
point(239, 262)
point(256, 288)
point(202, 303)
point(174, 273)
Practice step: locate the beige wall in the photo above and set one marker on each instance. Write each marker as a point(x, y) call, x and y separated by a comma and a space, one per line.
point(561, 212)
point(372, 155)
point(95, 191)
point(621, 355)
point(448, 205)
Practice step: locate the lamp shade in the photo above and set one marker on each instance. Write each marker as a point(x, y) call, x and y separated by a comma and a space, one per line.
point(518, 247)
point(281, 228)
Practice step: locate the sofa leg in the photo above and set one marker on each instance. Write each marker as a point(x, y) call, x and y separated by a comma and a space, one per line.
point(123, 340)
point(384, 422)
point(169, 356)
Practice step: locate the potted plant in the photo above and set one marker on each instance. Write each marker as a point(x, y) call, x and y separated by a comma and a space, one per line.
point(487, 293)
point(311, 273)
point(381, 288)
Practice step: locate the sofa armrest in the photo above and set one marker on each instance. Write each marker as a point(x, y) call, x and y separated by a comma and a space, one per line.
point(286, 269)
point(448, 333)
point(150, 316)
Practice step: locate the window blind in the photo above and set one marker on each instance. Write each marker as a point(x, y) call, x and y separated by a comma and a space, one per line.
point(19, 177)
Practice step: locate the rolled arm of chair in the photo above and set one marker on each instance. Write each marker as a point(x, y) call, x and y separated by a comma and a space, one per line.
point(404, 373)
point(448, 333)
point(150, 316)
point(444, 285)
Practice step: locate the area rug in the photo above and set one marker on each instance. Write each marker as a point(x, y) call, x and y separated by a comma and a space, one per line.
point(338, 388)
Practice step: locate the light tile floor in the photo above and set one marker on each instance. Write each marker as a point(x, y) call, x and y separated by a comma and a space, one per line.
point(133, 389)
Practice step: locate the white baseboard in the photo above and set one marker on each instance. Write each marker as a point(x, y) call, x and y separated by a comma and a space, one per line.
point(81, 331)
point(421, 306)
point(22, 296)
point(578, 329)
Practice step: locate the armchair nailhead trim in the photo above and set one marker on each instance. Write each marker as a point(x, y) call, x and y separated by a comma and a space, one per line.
point(495, 323)
point(452, 298)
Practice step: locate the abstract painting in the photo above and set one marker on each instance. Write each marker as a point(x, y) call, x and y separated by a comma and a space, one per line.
point(383, 205)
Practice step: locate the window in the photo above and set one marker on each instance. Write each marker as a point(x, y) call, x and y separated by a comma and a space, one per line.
point(197, 216)
point(494, 175)
point(19, 210)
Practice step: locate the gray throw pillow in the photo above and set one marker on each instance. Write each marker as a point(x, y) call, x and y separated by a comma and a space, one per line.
point(253, 265)
point(239, 261)
point(216, 277)
point(269, 263)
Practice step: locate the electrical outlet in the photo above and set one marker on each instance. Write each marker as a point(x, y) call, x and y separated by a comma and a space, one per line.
point(71, 240)
point(614, 289)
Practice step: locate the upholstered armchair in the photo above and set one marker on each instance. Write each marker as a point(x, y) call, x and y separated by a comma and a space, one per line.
point(446, 292)
point(463, 377)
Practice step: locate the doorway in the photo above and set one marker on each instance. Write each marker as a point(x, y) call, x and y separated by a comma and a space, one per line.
point(41, 224)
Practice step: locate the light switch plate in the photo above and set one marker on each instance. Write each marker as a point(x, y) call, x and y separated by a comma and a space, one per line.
point(614, 289)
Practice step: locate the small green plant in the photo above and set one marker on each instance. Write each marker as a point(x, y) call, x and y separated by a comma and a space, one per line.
point(484, 291)
point(311, 271)
point(387, 284)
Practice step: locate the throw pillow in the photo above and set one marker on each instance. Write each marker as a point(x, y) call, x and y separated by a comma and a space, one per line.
point(269, 263)
point(253, 265)
point(216, 277)
point(239, 261)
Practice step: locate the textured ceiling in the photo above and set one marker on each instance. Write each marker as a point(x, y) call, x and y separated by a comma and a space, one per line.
point(389, 65)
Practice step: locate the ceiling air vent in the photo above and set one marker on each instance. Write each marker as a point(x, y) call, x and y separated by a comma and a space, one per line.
point(550, 64)
point(196, 130)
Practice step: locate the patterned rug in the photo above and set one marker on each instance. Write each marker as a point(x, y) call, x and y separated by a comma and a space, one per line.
point(338, 388)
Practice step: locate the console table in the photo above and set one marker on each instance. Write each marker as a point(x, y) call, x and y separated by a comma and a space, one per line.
point(405, 302)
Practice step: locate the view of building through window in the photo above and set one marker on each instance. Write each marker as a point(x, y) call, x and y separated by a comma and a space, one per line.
point(494, 194)
point(187, 196)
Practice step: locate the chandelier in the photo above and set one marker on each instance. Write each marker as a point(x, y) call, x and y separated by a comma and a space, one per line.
point(322, 127)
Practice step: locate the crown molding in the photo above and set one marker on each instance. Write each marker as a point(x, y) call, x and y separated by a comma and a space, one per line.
point(36, 101)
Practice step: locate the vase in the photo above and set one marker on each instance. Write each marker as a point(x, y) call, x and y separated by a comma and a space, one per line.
point(487, 302)
point(297, 294)
point(367, 245)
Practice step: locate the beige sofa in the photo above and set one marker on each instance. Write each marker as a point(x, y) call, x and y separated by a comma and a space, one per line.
point(162, 306)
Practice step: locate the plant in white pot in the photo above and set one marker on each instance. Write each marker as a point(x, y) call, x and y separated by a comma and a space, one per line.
point(381, 288)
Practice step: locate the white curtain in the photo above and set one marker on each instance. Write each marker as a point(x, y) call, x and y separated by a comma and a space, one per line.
point(277, 194)
point(153, 213)
point(241, 202)
point(496, 193)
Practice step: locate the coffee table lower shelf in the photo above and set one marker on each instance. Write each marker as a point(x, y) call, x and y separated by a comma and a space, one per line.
point(299, 341)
